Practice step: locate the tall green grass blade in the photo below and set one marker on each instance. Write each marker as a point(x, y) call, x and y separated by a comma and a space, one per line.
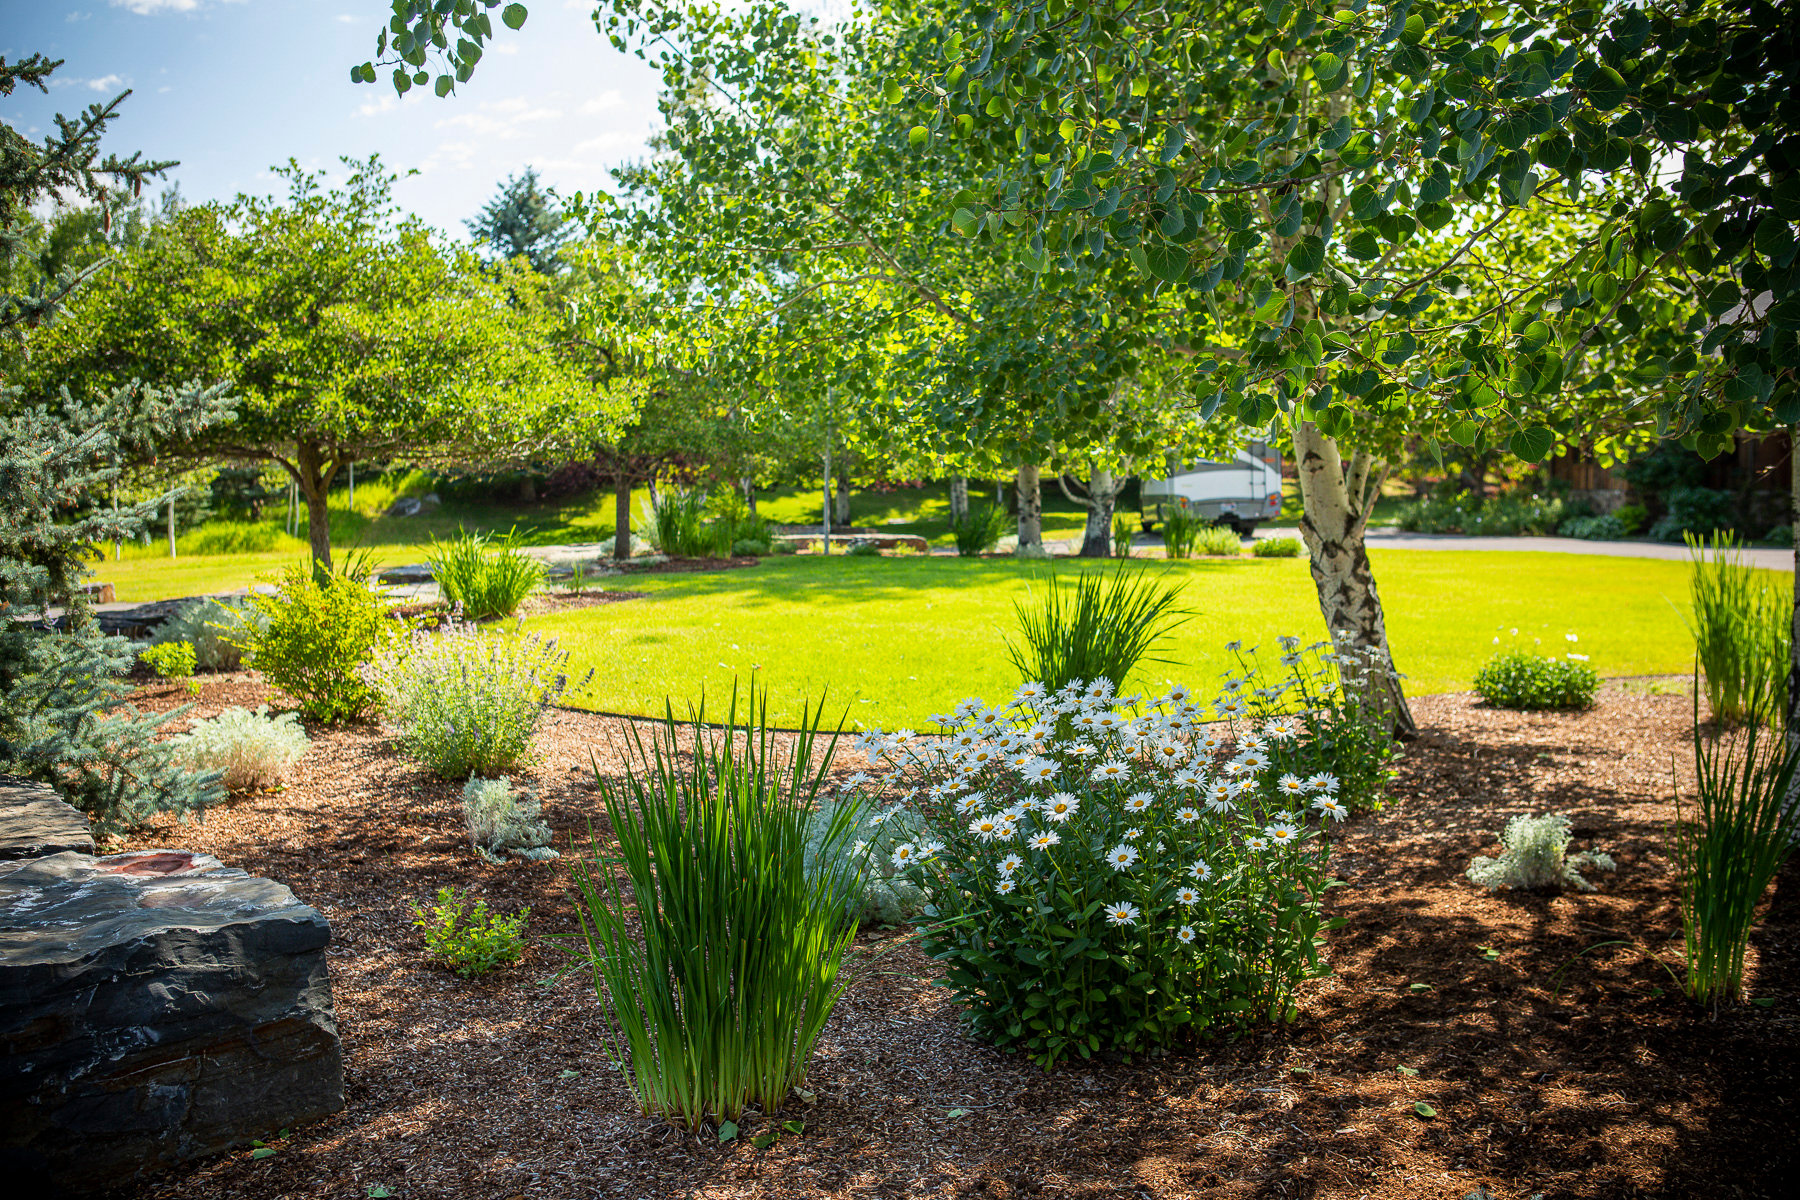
point(1103, 624)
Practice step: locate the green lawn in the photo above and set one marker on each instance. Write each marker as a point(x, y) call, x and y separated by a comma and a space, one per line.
point(899, 638)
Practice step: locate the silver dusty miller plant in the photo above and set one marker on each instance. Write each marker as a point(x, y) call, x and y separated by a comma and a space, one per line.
point(1535, 857)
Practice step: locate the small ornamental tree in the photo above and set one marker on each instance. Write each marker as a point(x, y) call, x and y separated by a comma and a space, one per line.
point(60, 715)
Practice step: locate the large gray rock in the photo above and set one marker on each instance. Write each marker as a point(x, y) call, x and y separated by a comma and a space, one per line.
point(35, 821)
point(154, 1007)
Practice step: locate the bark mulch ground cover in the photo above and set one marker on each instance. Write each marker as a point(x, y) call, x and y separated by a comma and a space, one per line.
point(1552, 1072)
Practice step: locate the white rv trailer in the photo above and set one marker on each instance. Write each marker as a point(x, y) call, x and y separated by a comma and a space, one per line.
point(1240, 494)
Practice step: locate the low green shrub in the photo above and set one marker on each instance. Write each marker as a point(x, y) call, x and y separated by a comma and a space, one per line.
point(312, 638)
point(468, 702)
point(170, 660)
point(1631, 517)
point(252, 751)
point(863, 550)
point(1100, 625)
point(784, 547)
point(467, 938)
point(980, 530)
point(1525, 680)
point(490, 577)
point(1695, 512)
point(1535, 856)
point(500, 823)
point(1780, 535)
point(1512, 514)
point(1606, 528)
point(1277, 547)
point(749, 548)
point(206, 624)
point(1181, 530)
point(1219, 541)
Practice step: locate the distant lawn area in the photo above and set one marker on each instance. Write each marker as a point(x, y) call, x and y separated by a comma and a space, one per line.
point(896, 639)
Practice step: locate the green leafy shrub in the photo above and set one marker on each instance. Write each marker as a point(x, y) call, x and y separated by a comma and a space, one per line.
point(1120, 889)
point(251, 751)
point(1508, 515)
point(1780, 535)
point(1099, 626)
point(1524, 680)
point(1606, 528)
point(749, 548)
point(980, 530)
point(467, 938)
point(719, 958)
point(207, 624)
point(1277, 547)
point(312, 638)
point(1730, 844)
point(1694, 511)
point(881, 894)
point(500, 823)
point(862, 549)
point(170, 660)
point(1535, 856)
point(1742, 626)
point(1632, 517)
point(467, 702)
point(1219, 541)
point(1181, 531)
point(489, 577)
point(784, 547)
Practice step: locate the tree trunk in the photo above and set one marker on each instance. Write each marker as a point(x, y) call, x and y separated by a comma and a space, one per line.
point(959, 499)
point(1031, 510)
point(313, 475)
point(621, 517)
point(749, 485)
point(825, 513)
point(1793, 681)
point(1096, 540)
point(1337, 504)
point(842, 519)
point(171, 524)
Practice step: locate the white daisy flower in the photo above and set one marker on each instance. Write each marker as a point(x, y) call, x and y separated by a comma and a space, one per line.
point(1081, 749)
point(1044, 840)
point(1098, 689)
point(1011, 863)
point(1122, 857)
point(1330, 808)
point(1007, 828)
point(1168, 751)
point(904, 854)
point(1187, 816)
point(1221, 797)
point(1291, 785)
point(1109, 770)
point(967, 739)
point(1253, 760)
point(1187, 895)
point(944, 720)
point(1282, 833)
point(1201, 870)
point(1322, 782)
point(1039, 770)
point(1134, 832)
point(1006, 886)
point(930, 850)
point(881, 818)
point(1211, 742)
point(861, 848)
point(1188, 777)
point(1257, 844)
point(1121, 914)
point(968, 804)
point(1032, 692)
point(1177, 695)
point(1060, 807)
point(1185, 935)
point(1138, 802)
point(981, 756)
point(986, 828)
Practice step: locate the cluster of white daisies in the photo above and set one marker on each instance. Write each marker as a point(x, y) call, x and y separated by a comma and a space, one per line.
point(1046, 754)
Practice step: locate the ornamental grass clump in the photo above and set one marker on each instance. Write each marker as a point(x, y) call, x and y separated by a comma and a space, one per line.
point(1743, 622)
point(488, 576)
point(719, 954)
point(1219, 541)
point(251, 751)
point(1535, 857)
point(1181, 531)
point(466, 701)
point(1730, 843)
point(1101, 625)
point(980, 530)
point(1142, 880)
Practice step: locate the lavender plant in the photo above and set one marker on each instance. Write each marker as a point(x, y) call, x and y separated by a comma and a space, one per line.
point(1141, 879)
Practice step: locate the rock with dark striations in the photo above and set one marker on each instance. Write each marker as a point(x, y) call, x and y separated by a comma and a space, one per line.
point(154, 1007)
point(35, 821)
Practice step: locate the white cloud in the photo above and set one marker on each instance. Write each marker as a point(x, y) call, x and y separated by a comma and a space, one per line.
point(501, 119)
point(147, 8)
point(106, 83)
point(608, 99)
point(346, 19)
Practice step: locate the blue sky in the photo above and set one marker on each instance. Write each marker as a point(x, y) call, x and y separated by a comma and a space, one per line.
point(233, 87)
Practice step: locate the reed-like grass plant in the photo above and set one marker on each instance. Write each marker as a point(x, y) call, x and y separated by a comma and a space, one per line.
point(1181, 530)
point(980, 530)
point(1101, 625)
point(719, 955)
point(1742, 626)
point(489, 576)
point(1731, 842)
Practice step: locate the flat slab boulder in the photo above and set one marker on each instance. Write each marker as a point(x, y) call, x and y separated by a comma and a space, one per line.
point(34, 821)
point(154, 1007)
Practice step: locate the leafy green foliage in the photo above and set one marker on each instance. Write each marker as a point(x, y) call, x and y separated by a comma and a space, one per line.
point(1525, 680)
point(1080, 901)
point(721, 994)
point(1535, 857)
point(980, 530)
point(1218, 541)
point(170, 660)
point(466, 702)
point(1729, 845)
point(1742, 626)
point(1101, 625)
point(523, 222)
point(1603, 528)
point(313, 638)
point(1276, 547)
point(488, 576)
point(880, 894)
point(250, 751)
point(1508, 515)
point(468, 938)
point(206, 624)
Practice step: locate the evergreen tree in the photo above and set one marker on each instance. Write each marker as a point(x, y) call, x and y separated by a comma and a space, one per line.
point(61, 716)
point(523, 222)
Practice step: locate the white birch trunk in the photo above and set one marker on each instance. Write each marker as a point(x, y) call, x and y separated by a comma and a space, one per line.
point(1103, 489)
point(1031, 511)
point(1337, 503)
point(959, 499)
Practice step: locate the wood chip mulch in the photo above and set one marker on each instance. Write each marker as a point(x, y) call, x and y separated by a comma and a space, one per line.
point(1545, 1031)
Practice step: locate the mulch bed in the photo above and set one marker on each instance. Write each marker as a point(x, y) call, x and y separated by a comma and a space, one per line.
point(681, 566)
point(1553, 1072)
point(560, 601)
